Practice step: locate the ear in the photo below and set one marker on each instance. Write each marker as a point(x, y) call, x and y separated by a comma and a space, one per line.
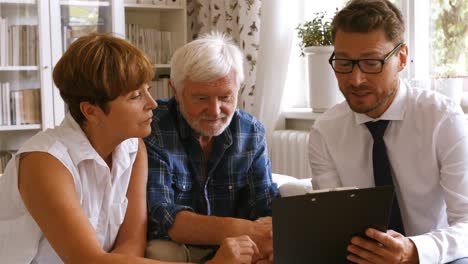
point(90, 111)
point(403, 54)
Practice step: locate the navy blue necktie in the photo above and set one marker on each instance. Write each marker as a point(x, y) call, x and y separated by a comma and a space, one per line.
point(382, 170)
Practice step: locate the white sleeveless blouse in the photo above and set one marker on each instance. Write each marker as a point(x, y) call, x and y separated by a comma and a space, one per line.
point(101, 193)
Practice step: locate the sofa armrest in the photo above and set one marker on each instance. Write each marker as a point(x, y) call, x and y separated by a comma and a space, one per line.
point(290, 186)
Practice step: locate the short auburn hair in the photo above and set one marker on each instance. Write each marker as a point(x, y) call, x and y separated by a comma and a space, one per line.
point(97, 68)
point(370, 15)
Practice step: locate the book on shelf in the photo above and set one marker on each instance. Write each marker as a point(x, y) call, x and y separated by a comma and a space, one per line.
point(20, 107)
point(5, 156)
point(166, 46)
point(3, 41)
point(16, 106)
point(18, 44)
point(157, 45)
point(6, 112)
point(160, 87)
point(27, 106)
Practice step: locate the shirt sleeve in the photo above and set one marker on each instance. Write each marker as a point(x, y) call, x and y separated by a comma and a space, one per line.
point(324, 172)
point(162, 208)
point(447, 244)
point(264, 189)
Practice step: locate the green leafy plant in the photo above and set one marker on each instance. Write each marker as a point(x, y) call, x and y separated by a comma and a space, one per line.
point(450, 37)
point(316, 32)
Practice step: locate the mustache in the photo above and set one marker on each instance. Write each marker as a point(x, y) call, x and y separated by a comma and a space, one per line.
point(211, 117)
point(359, 88)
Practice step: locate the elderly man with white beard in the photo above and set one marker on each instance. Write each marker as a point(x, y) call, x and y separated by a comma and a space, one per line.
point(209, 171)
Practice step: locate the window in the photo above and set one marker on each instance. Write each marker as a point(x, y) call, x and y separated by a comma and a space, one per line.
point(436, 33)
point(449, 44)
point(297, 95)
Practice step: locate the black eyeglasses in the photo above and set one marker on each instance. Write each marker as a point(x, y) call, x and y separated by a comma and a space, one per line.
point(372, 66)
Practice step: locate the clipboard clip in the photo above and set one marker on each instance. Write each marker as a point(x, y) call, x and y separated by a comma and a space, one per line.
point(333, 190)
point(337, 189)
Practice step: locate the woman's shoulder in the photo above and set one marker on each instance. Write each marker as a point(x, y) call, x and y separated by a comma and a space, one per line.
point(42, 141)
point(52, 142)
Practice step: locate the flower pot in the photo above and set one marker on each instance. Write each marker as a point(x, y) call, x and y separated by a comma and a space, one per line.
point(451, 87)
point(323, 87)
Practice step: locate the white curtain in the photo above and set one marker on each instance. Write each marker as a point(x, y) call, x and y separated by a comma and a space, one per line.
point(278, 21)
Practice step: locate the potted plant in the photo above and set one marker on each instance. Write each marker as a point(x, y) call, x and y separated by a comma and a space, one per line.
point(315, 41)
point(449, 81)
point(451, 43)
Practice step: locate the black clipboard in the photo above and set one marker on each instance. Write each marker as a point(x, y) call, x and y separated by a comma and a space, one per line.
point(317, 227)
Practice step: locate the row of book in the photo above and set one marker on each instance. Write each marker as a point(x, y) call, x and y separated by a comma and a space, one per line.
point(18, 44)
point(156, 2)
point(160, 87)
point(5, 156)
point(157, 45)
point(19, 107)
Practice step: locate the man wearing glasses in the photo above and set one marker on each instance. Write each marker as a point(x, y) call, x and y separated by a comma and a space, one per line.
point(387, 133)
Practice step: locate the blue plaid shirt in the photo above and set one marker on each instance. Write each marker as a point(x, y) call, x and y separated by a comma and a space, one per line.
point(238, 182)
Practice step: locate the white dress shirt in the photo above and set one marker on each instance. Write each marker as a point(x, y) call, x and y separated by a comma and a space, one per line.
point(427, 145)
point(101, 193)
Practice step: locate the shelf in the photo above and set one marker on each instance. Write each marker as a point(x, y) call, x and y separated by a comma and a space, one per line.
point(162, 66)
point(79, 24)
point(18, 2)
point(148, 7)
point(83, 3)
point(19, 68)
point(20, 127)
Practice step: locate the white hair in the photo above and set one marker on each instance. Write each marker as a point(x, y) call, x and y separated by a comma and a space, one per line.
point(212, 56)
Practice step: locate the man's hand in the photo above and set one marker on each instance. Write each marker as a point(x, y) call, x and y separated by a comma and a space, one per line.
point(390, 247)
point(263, 236)
point(235, 250)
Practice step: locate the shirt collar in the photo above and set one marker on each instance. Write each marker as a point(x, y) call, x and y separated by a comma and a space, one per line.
point(80, 148)
point(77, 142)
point(396, 111)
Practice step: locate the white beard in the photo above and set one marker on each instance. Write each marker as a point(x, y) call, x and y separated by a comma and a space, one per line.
point(195, 124)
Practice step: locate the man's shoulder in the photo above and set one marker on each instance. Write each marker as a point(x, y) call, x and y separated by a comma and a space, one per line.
point(164, 108)
point(163, 125)
point(165, 115)
point(334, 116)
point(246, 122)
point(431, 102)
